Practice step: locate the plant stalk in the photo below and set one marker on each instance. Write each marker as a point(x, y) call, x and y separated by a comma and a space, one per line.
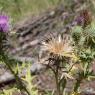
point(77, 85)
point(7, 62)
point(57, 81)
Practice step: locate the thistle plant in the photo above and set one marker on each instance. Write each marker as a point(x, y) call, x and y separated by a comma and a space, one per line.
point(84, 41)
point(60, 53)
point(4, 29)
point(73, 56)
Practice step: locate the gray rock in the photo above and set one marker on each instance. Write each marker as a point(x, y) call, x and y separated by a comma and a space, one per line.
point(37, 68)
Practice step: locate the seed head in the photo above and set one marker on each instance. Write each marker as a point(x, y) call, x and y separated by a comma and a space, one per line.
point(58, 46)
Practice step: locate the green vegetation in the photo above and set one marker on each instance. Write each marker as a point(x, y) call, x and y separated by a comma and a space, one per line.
point(19, 8)
point(14, 89)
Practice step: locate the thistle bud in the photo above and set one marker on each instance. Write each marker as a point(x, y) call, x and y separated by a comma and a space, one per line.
point(4, 27)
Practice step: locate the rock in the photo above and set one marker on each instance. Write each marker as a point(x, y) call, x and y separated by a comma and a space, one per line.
point(37, 68)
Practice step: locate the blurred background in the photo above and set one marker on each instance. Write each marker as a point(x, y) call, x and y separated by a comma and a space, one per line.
point(19, 8)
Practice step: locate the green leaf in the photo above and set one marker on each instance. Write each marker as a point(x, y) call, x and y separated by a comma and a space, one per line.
point(76, 34)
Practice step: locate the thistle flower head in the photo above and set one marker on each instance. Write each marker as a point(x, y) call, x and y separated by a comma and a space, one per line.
point(79, 20)
point(84, 19)
point(4, 23)
point(58, 46)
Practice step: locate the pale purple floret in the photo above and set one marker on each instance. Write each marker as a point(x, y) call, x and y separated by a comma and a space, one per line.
point(4, 23)
point(79, 20)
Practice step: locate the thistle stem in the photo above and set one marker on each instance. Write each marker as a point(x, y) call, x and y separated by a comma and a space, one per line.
point(57, 81)
point(64, 84)
point(57, 85)
point(77, 85)
point(7, 62)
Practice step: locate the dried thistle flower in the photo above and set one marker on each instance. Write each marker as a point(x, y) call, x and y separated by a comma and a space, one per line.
point(58, 46)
